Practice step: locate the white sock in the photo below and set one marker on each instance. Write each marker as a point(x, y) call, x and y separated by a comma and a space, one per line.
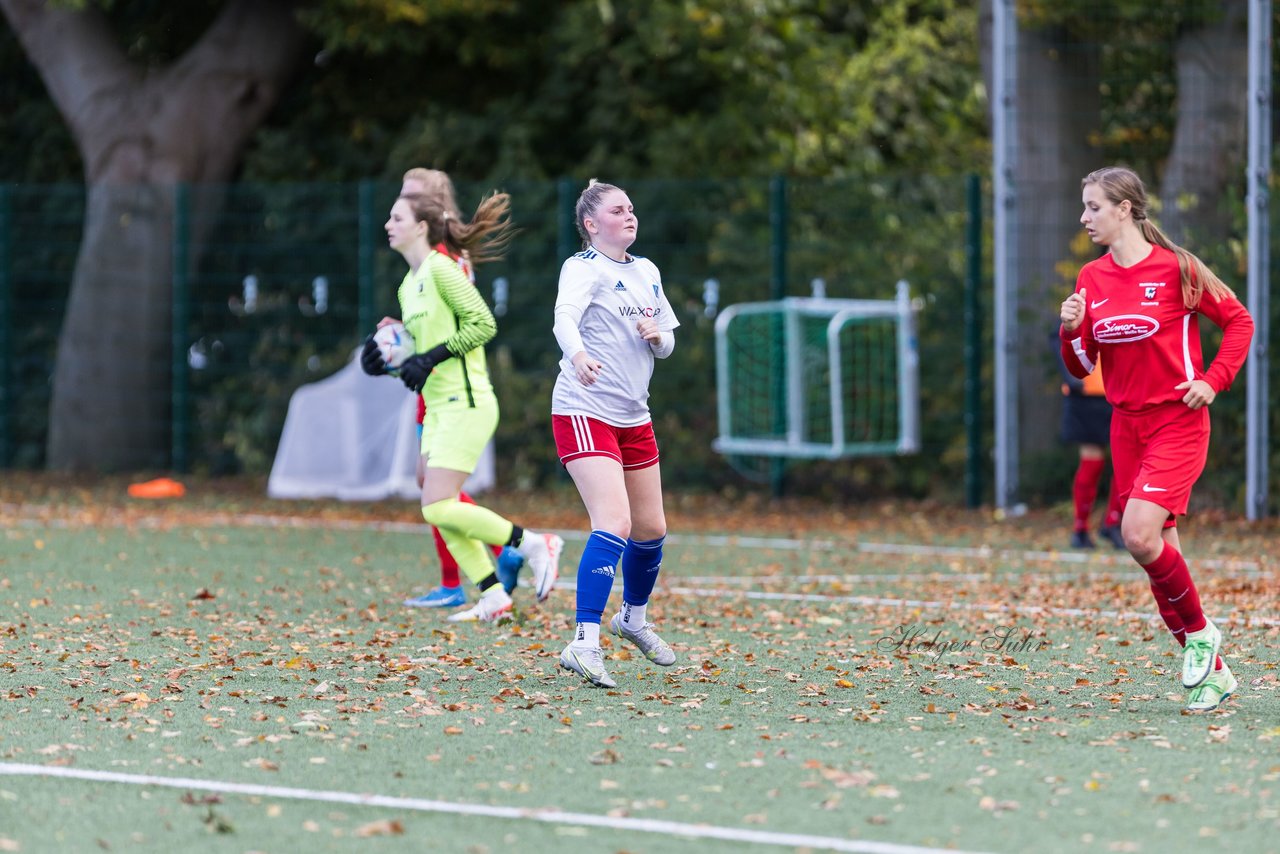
point(588, 634)
point(633, 616)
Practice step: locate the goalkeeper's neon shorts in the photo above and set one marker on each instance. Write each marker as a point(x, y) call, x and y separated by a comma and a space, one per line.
point(454, 436)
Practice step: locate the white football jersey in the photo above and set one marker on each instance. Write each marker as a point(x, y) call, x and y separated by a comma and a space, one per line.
point(613, 297)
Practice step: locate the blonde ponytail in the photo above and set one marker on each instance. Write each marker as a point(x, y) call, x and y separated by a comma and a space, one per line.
point(1196, 276)
point(1120, 184)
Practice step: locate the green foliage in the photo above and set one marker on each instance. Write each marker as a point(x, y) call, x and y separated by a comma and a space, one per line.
point(506, 91)
point(502, 90)
point(1146, 21)
point(872, 109)
point(36, 259)
point(249, 359)
point(1139, 90)
point(35, 144)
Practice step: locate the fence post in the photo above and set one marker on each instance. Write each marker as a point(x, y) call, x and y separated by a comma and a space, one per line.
point(1004, 262)
point(778, 290)
point(973, 343)
point(364, 259)
point(777, 237)
point(180, 417)
point(7, 394)
point(1257, 368)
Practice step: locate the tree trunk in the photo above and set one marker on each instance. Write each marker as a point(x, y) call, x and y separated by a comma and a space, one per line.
point(1209, 139)
point(112, 379)
point(1059, 110)
point(140, 134)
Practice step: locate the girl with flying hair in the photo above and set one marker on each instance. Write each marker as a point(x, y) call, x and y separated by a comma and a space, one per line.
point(450, 593)
point(450, 324)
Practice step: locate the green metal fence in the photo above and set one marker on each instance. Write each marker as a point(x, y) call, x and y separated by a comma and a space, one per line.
point(274, 286)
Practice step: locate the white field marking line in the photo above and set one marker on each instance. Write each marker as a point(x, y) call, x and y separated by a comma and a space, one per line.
point(944, 577)
point(983, 553)
point(888, 602)
point(548, 815)
point(939, 577)
point(884, 601)
point(1032, 555)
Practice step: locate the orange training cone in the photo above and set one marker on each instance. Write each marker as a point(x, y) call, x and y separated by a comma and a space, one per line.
point(161, 487)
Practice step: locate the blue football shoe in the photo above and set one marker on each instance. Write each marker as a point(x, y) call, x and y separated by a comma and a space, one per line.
point(441, 597)
point(509, 564)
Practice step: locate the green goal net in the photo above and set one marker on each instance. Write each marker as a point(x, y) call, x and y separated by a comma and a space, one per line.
point(818, 378)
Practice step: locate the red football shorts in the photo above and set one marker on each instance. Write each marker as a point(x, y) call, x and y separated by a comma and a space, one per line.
point(579, 436)
point(1158, 456)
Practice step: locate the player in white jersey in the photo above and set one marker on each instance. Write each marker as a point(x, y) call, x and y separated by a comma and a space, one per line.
point(612, 319)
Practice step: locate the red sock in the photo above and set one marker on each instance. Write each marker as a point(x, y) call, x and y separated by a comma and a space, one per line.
point(448, 566)
point(1084, 490)
point(1115, 507)
point(1174, 622)
point(1170, 575)
point(1169, 615)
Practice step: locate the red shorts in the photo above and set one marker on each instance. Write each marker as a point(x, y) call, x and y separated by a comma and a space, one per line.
point(1158, 456)
point(579, 436)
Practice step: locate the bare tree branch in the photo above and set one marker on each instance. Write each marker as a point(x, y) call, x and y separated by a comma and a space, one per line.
point(74, 53)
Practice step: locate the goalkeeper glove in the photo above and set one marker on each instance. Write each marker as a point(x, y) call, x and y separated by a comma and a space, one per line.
point(371, 361)
point(415, 369)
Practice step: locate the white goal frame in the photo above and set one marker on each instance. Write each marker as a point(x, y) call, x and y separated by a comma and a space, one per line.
point(841, 312)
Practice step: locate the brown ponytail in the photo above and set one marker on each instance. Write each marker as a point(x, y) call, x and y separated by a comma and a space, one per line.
point(484, 238)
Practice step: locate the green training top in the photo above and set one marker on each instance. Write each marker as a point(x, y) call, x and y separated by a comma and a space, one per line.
point(440, 305)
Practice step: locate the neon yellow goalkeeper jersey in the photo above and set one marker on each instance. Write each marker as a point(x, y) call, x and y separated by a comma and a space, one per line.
point(440, 305)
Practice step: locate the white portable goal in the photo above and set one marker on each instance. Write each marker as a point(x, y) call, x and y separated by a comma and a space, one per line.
point(354, 437)
point(817, 378)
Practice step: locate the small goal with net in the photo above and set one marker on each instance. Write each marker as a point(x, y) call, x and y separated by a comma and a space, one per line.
point(817, 378)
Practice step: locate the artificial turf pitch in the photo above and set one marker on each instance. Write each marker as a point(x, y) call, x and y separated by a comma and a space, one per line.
point(873, 689)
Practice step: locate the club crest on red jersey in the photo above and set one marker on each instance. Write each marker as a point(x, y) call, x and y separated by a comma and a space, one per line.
point(1124, 328)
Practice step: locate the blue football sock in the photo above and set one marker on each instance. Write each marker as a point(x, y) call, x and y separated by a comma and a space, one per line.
point(596, 569)
point(641, 562)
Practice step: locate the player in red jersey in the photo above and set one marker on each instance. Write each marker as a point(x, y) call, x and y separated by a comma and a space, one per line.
point(1139, 304)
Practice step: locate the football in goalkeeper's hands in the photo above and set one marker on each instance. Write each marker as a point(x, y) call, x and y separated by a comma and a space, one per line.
point(395, 344)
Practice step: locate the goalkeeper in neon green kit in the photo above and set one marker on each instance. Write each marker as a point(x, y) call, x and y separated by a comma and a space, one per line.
point(451, 323)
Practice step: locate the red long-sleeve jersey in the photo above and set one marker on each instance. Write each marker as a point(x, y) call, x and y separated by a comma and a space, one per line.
point(1151, 341)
